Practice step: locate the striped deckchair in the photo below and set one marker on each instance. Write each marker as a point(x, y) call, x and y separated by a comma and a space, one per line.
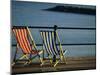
point(52, 47)
point(25, 43)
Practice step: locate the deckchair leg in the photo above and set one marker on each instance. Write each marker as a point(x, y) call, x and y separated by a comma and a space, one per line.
point(59, 61)
point(50, 60)
point(41, 60)
point(56, 63)
point(14, 61)
point(42, 63)
point(23, 56)
point(64, 59)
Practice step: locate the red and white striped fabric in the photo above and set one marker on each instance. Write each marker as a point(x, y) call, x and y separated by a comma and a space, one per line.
point(23, 41)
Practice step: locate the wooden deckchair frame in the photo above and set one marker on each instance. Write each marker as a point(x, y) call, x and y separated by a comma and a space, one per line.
point(30, 59)
point(62, 57)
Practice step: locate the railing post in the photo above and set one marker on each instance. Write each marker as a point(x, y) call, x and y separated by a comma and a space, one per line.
point(55, 28)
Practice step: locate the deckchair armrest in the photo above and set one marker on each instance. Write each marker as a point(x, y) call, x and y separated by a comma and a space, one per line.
point(40, 51)
point(37, 51)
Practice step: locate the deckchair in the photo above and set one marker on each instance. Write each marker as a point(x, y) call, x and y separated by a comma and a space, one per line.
point(52, 47)
point(26, 44)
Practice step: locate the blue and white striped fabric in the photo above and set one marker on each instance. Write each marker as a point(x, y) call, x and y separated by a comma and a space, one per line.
point(49, 42)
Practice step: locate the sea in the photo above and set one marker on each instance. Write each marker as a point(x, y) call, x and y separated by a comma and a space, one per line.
point(32, 14)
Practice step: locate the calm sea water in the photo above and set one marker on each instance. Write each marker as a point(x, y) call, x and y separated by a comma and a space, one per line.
point(31, 14)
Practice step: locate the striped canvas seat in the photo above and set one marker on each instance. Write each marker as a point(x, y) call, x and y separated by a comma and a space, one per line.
point(52, 45)
point(24, 42)
point(49, 42)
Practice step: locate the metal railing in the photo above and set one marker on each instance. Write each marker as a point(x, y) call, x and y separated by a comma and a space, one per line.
point(56, 28)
